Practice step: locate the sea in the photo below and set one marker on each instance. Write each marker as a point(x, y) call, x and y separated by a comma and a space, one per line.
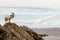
point(53, 33)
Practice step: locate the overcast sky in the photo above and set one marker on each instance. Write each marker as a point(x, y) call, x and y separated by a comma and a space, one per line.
point(33, 13)
point(30, 3)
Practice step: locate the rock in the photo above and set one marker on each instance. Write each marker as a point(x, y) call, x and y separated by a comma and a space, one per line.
point(43, 35)
point(11, 31)
point(32, 33)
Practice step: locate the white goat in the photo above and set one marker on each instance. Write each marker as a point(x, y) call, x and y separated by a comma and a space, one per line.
point(9, 17)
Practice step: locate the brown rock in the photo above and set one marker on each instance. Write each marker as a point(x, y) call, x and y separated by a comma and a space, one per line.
point(11, 31)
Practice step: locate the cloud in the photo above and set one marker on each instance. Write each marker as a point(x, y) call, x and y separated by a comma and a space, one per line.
point(47, 21)
point(34, 17)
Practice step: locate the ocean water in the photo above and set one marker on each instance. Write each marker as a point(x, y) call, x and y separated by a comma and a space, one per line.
point(52, 38)
point(53, 34)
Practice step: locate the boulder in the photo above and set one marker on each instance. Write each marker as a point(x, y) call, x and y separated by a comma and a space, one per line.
point(11, 31)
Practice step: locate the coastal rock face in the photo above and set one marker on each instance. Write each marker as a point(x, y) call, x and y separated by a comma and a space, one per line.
point(11, 31)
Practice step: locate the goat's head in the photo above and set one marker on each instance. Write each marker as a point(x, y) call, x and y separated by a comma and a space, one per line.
point(12, 15)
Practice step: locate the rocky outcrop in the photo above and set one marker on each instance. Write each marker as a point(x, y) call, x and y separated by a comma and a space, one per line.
point(11, 31)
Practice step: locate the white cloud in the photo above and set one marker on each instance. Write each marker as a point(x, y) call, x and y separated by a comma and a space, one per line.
point(47, 21)
point(38, 19)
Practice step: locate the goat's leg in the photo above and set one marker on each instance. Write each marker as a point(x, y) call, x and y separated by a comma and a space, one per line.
point(9, 21)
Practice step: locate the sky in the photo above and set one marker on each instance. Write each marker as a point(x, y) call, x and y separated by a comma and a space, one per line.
point(31, 3)
point(32, 13)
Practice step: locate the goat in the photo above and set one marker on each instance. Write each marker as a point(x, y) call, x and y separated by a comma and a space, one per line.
point(9, 17)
